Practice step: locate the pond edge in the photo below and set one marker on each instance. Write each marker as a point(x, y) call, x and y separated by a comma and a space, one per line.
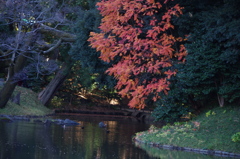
point(187, 149)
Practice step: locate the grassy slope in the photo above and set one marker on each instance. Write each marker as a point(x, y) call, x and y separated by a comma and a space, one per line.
point(210, 130)
point(29, 104)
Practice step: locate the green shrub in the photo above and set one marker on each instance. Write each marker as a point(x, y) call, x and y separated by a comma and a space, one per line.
point(174, 105)
point(56, 102)
point(210, 112)
point(236, 137)
point(170, 111)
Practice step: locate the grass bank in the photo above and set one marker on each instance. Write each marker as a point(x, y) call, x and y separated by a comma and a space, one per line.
point(211, 130)
point(29, 104)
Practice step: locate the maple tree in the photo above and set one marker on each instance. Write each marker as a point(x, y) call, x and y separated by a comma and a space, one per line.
point(136, 36)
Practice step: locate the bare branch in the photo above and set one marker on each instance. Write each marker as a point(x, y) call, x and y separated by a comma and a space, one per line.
point(53, 47)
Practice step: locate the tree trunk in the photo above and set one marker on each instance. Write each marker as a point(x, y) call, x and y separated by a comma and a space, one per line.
point(15, 67)
point(8, 88)
point(220, 100)
point(6, 93)
point(219, 97)
point(47, 94)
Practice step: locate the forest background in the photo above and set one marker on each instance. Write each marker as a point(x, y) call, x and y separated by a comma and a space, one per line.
point(44, 46)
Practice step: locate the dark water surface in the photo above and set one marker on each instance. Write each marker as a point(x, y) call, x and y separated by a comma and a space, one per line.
point(29, 140)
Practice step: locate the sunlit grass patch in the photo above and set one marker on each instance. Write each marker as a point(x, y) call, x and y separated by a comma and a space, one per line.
point(29, 104)
point(207, 131)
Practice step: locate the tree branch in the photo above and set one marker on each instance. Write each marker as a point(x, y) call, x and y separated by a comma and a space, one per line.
point(53, 47)
point(68, 37)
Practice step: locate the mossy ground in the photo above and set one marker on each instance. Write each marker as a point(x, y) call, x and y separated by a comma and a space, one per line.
point(29, 104)
point(211, 130)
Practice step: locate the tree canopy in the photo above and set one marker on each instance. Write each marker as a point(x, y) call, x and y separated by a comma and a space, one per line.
point(176, 55)
point(136, 36)
point(210, 73)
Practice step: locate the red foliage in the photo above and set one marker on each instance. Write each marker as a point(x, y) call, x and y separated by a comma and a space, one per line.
point(132, 31)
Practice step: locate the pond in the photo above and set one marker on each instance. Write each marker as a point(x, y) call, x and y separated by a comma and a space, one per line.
point(31, 140)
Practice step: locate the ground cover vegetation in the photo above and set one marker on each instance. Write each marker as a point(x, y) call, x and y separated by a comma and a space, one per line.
point(29, 105)
point(215, 129)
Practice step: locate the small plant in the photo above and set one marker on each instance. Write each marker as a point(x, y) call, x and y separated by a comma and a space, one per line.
point(210, 113)
point(190, 115)
point(152, 129)
point(178, 123)
point(165, 127)
point(236, 137)
point(188, 126)
point(56, 102)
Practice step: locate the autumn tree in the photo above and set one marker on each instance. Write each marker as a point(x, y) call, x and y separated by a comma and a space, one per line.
point(136, 36)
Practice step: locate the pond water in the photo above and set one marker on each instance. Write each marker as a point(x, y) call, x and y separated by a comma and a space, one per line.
point(30, 140)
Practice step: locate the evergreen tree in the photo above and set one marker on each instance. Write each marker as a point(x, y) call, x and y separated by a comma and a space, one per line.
point(90, 63)
point(213, 53)
point(210, 72)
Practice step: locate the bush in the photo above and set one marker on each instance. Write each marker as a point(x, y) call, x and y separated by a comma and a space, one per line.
point(56, 102)
point(171, 107)
point(236, 137)
point(170, 113)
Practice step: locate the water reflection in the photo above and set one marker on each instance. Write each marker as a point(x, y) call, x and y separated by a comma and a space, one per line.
point(23, 140)
point(29, 140)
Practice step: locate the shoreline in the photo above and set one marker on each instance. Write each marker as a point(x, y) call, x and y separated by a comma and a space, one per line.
point(187, 149)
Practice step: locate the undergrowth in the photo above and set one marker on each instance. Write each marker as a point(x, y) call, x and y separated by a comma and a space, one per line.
point(213, 130)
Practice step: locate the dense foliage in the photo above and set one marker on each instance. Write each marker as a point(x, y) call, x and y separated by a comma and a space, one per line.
point(213, 54)
point(210, 73)
point(136, 36)
point(136, 48)
point(87, 74)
